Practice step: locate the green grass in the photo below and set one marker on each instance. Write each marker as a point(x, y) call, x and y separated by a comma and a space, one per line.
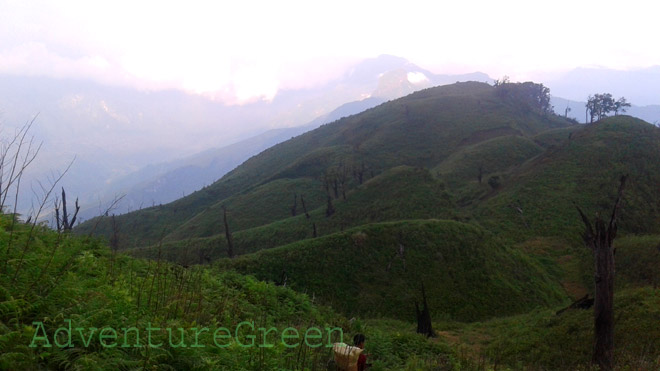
point(543, 340)
point(637, 261)
point(493, 156)
point(583, 171)
point(397, 194)
point(252, 208)
point(420, 130)
point(66, 277)
point(466, 271)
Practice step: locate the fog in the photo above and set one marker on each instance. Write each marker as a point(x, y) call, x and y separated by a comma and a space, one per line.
point(122, 85)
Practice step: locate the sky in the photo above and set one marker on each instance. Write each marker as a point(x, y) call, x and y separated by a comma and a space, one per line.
point(239, 51)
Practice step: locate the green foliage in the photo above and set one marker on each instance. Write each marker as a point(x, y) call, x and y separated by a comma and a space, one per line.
point(530, 95)
point(66, 277)
point(520, 253)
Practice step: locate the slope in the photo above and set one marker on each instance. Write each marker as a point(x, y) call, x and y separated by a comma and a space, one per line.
point(584, 169)
point(378, 270)
point(419, 130)
point(377, 200)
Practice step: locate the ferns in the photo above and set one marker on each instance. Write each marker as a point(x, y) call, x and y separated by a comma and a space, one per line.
point(61, 278)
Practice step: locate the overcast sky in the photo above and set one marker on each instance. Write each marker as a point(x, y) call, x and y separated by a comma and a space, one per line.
point(239, 50)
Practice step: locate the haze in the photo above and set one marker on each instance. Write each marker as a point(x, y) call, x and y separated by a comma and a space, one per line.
point(240, 51)
point(126, 85)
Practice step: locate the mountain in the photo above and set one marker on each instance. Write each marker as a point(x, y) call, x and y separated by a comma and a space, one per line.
point(420, 130)
point(114, 132)
point(640, 86)
point(166, 182)
point(458, 201)
point(577, 110)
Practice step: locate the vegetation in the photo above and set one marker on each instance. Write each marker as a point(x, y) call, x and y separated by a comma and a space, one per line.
point(600, 105)
point(449, 212)
point(377, 270)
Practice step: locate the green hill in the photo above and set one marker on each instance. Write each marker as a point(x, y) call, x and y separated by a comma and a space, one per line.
point(378, 270)
point(50, 278)
point(377, 200)
point(584, 169)
point(420, 130)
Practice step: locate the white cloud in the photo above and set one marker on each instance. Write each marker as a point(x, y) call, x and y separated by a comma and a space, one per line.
point(417, 77)
point(249, 49)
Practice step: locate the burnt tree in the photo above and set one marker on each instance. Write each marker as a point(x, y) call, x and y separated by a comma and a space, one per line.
point(294, 208)
point(230, 240)
point(329, 210)
point(599, 237)
point(63, 222)
point(302, 201)
point(424, 325)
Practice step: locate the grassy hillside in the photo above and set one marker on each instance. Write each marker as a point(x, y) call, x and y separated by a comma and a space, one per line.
point(262, 205)
point(397, 194)
point(420, 130)
point(49, 278)
point(539, 198)
point(378, 270)
point(544, 340)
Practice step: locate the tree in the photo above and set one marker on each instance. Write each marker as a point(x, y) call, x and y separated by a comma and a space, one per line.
point(494, 182)
point(599, 238)
point(329, 210)
point(228, 236)
point(620, 105)
point(600, 105)
point(63, 222)
point(424, 324)
point(295, 205)
point(534, 97)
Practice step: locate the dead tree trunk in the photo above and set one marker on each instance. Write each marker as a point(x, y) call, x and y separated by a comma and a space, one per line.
point(329, 210)
point(63, 223)
point(302, 201)
point(424, 325)
point(230, 241)
point(599, 237)
point(294, 208)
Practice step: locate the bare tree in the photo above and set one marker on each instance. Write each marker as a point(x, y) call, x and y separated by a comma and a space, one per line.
point(302, 201)
point(599, 237)
point(424, 325)
point(63, 222)
point(230, 240)
point(295, 205)
point(329, 210)
point(16, 155)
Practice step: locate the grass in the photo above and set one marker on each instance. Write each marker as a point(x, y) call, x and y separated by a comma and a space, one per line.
point(400, 193)
point(67, 277)
point(420, 130)
point(583, 171)
point(378, 270)
point(543, 340)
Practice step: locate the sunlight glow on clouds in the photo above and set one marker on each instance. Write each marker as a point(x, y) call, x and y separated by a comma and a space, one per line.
point(239, 51)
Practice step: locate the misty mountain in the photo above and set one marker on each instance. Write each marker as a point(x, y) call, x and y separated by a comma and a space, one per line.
point(166, 182)
point(577, 110)
point(641, 87)
point(115, 131)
